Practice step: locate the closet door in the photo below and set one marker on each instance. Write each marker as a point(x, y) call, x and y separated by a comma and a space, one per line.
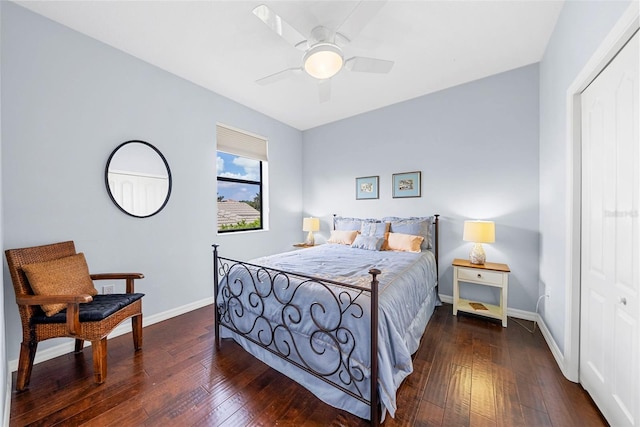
point(610, 253)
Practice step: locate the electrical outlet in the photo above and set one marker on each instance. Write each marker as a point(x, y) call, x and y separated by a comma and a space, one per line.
point(108, 289)
point(544, 290)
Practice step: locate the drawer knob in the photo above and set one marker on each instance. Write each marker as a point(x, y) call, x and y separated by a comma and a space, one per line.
point(479, 276)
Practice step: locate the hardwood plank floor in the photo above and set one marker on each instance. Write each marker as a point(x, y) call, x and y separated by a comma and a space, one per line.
point(468, 371)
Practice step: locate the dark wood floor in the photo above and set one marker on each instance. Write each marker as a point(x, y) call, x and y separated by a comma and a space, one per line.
point(468, 372)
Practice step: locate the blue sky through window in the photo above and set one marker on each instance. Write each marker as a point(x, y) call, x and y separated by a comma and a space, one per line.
point(231, 166)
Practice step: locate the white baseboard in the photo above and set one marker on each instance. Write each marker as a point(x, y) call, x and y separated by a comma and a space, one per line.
point(123, 328)
point(555, 350)
point(7, 399)
point(513, 312)
point(446, 298)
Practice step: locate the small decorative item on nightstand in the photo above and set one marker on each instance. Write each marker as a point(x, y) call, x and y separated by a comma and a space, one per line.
point(479, 232)
point(302, 245)
point(310, 225)
point(488, 274)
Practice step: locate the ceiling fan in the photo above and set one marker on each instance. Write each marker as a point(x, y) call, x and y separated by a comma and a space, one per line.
point(323, 56)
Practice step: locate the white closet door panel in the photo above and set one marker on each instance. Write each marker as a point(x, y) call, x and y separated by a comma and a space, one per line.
point(596, 341)
point(609, 335)
point(623, 381)
point(594, 151)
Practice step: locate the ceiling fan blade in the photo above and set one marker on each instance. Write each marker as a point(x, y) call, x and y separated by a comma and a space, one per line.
point(277, 76)
point(357, 20)
point(324, 90)
point(280, 26)
point(368, 65)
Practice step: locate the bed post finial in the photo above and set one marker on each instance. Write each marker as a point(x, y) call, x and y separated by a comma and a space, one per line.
point(435, 245)
point(216, 322)
point(375, 414)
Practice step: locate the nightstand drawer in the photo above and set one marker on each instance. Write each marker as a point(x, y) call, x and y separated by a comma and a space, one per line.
point(483, 276)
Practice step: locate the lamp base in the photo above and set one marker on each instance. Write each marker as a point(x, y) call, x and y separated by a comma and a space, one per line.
point(477, 255)
point(310, 240)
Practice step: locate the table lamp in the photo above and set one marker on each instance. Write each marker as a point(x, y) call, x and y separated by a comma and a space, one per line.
point(310, 225)
point(479, 232)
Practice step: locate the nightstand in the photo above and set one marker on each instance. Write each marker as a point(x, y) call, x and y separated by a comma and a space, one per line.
point(487, 274)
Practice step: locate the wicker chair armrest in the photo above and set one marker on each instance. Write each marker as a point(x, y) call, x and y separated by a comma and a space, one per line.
point(129, 277)
point(73, 306)
point(116, 276)
point(52, 299)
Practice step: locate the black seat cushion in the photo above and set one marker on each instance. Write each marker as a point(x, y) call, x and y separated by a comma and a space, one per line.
point(100, 308)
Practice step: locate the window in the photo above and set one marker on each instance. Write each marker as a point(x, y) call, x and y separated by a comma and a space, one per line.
point(239, 164)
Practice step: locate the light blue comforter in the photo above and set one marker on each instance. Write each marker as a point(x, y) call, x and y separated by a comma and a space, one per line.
point(406, 301)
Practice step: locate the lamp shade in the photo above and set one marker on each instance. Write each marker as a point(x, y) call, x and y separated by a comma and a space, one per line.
point(479, 231)
point(310, 224)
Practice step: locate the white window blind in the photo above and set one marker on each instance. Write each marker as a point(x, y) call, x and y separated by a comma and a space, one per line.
point(240, 143)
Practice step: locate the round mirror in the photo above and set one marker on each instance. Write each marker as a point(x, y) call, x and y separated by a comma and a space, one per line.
point(138, 179)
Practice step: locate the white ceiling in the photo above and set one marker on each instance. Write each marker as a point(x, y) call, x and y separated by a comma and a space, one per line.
point(222, 46)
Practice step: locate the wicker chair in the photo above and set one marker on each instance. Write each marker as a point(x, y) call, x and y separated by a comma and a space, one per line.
point(86, 318)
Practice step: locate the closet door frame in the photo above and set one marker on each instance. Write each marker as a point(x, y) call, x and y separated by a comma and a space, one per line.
point(627, 25)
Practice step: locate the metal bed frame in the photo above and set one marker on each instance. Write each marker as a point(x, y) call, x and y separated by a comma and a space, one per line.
point(277, 337)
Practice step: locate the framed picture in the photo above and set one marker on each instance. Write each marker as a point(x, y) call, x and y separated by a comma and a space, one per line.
point(367, 187)
point(406, 184)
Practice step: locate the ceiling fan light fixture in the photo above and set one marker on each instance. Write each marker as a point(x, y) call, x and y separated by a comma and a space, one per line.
point(323, 60)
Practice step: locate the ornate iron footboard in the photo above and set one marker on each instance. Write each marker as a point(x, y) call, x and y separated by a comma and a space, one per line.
point(246, 295)
point(244, 310)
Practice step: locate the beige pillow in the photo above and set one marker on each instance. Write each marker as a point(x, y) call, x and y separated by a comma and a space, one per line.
point(403, 242)
point(63, 276)
point(343, 237)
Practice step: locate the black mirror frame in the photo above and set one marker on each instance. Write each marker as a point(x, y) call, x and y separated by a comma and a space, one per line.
point(166, 164)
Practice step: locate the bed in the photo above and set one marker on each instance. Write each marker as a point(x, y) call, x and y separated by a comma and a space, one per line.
point(310, 313)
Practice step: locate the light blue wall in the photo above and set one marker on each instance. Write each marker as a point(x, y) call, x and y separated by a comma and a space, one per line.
point(67, 102)
point(4, 374)
point(477, 147)
point(580, 29)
